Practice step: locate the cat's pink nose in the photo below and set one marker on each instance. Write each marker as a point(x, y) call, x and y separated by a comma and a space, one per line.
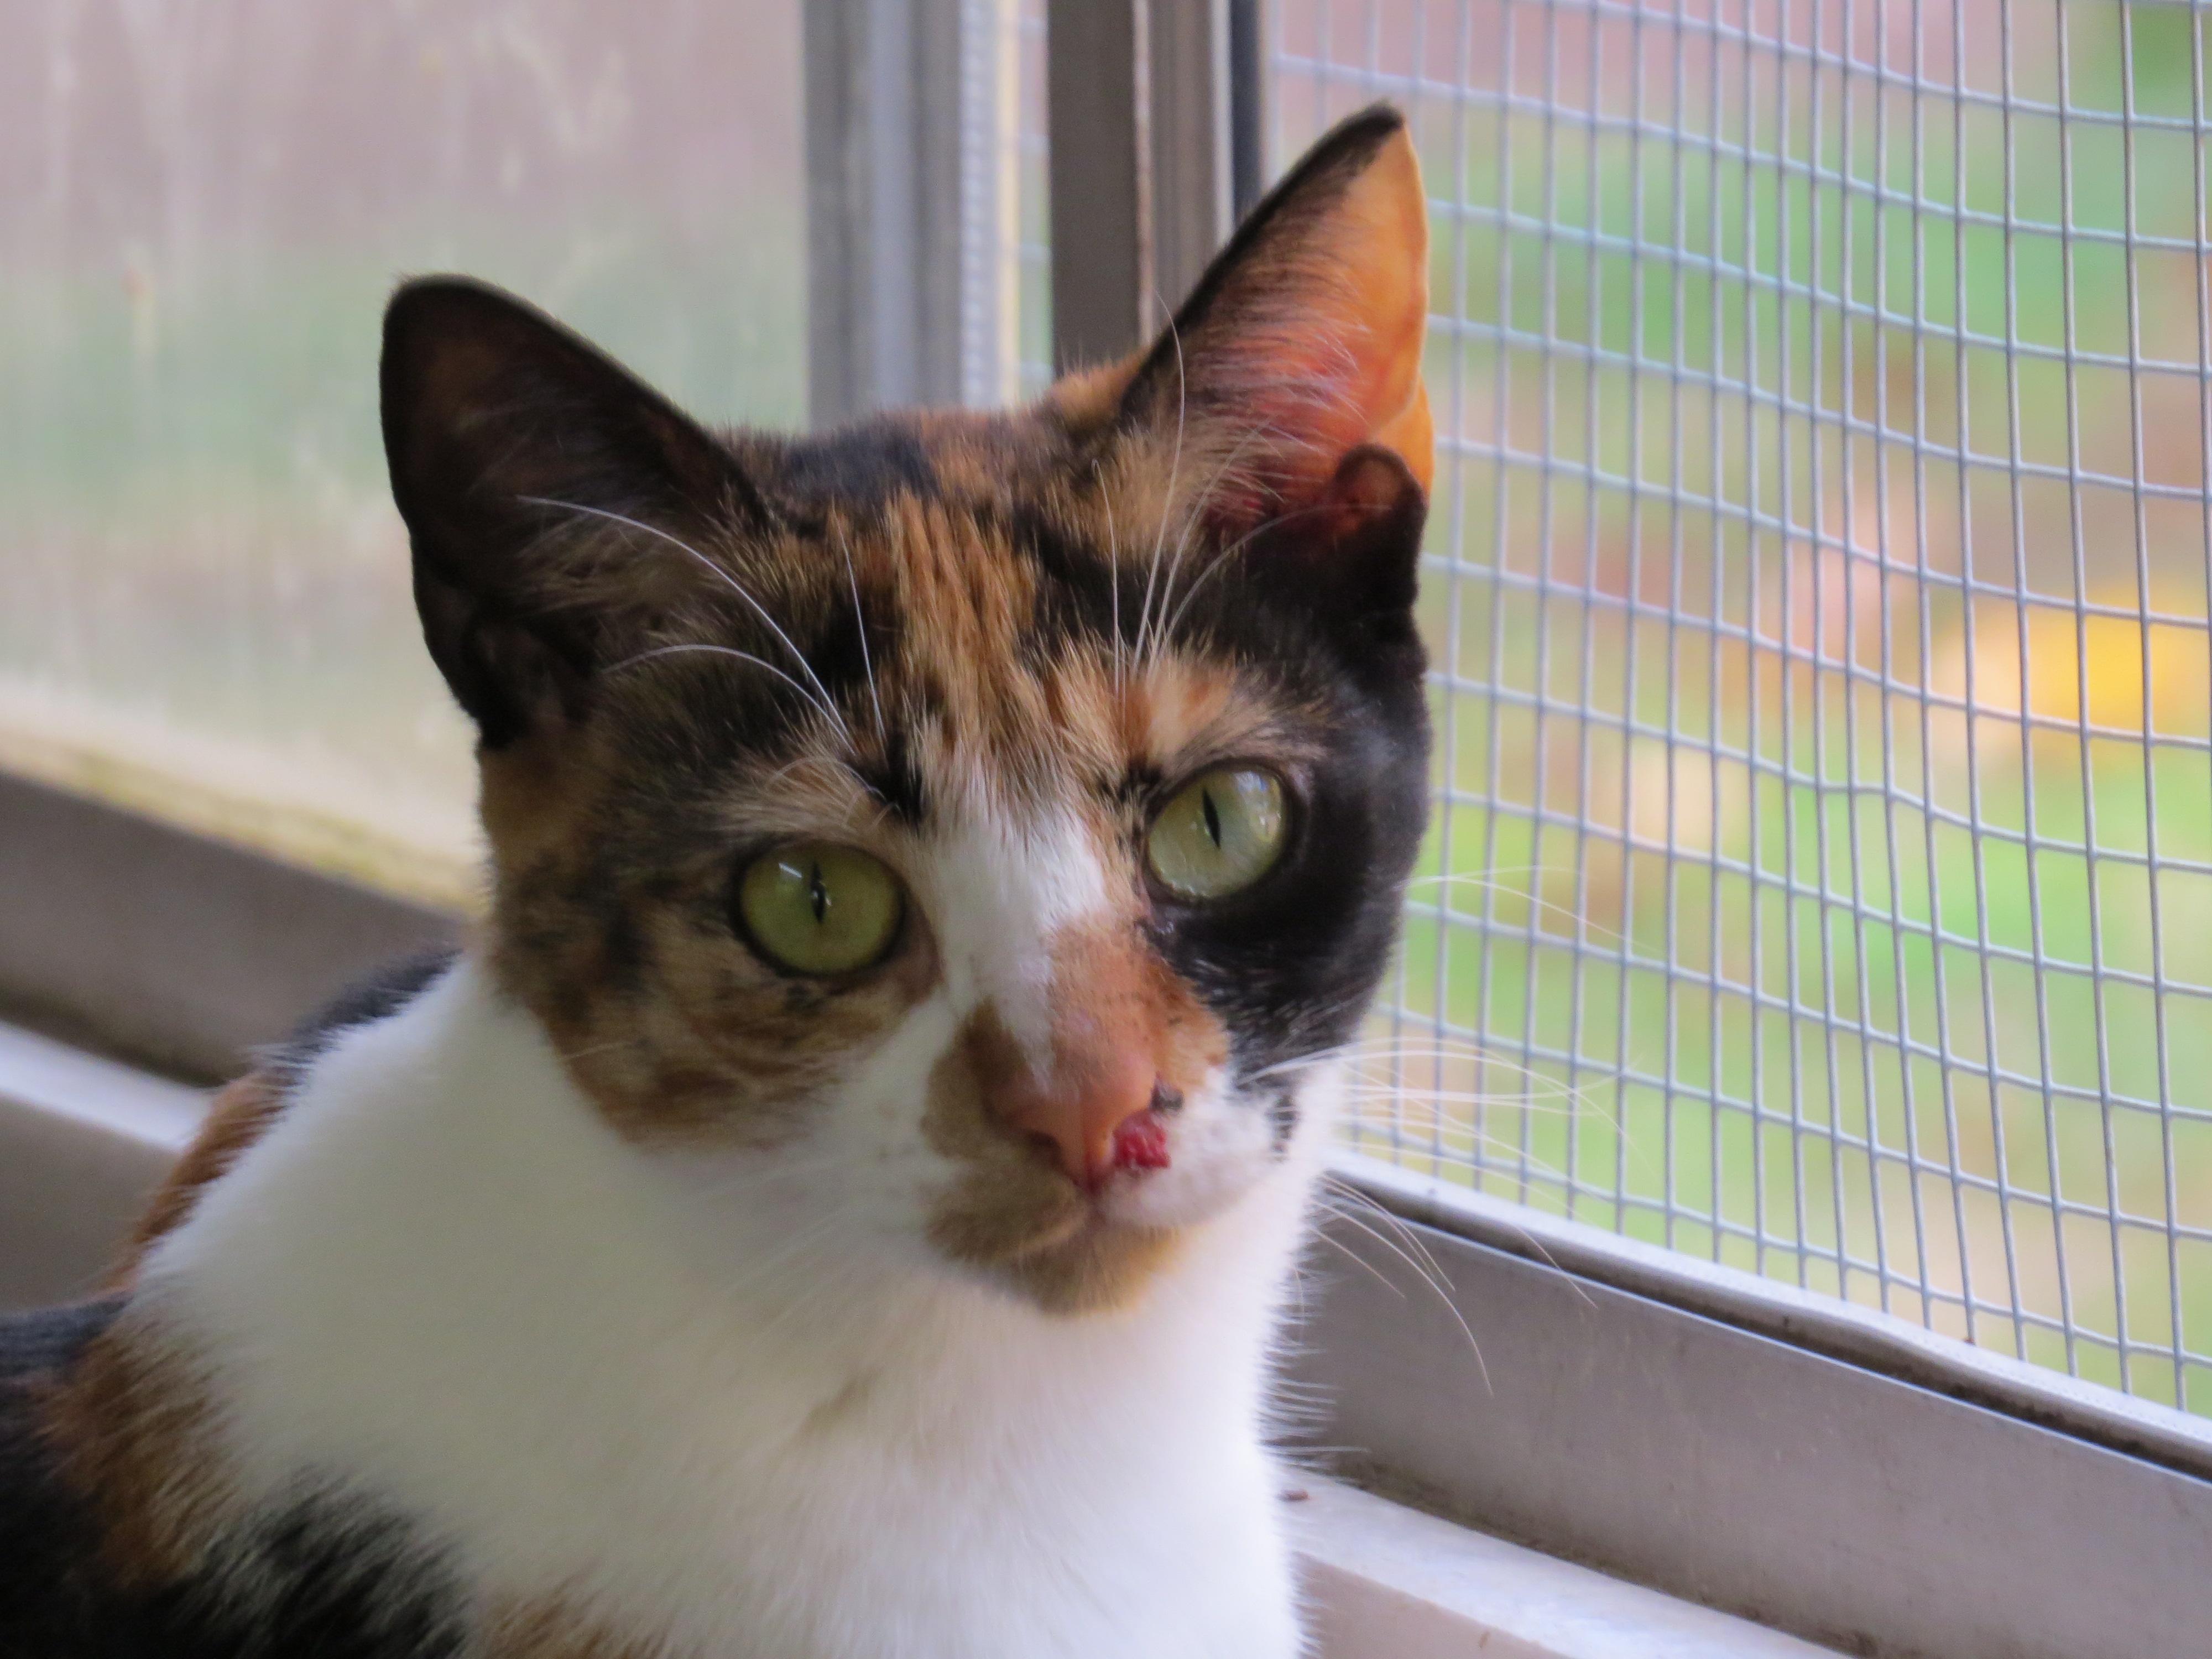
point(1106, 1117)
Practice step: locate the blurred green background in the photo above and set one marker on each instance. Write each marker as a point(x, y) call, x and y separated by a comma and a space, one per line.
point(1822, 881)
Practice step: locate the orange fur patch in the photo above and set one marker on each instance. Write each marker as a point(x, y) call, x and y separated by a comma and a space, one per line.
point(1111, 991)
point(129, 1423)
point(552, 1628)
point(238, 1117)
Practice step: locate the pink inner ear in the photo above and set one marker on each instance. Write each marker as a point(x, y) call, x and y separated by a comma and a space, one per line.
point(1366, 484)
point(1326, 354)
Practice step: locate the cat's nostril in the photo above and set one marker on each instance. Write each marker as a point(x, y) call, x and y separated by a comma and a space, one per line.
point(1101, 1111)
point(1141, 1142)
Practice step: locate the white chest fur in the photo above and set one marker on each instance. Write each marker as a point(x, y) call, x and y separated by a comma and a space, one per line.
point(443, 1276)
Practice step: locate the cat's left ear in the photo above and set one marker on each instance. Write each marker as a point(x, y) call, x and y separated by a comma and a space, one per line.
point(1288, 394)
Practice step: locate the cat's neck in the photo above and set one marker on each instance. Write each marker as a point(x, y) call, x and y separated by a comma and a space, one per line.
point(443, 1275)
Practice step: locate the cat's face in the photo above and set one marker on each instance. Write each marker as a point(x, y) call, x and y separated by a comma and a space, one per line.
point(965, 831)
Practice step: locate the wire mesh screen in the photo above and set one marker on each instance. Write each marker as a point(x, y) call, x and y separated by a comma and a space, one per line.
point(1821, 874)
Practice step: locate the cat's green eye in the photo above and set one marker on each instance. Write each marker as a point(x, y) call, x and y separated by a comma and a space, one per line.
point(815, 908)
point(1222, 832)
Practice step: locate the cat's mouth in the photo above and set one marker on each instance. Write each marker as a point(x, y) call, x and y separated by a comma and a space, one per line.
point(1100, 1263)
point(1070, 1248)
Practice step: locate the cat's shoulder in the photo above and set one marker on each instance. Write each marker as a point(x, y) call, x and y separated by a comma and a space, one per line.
point(376, 996)
point(93, 1431)
point(242, 1111)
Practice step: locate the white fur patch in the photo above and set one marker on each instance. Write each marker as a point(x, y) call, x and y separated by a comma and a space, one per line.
point(997, 889)
point(708, 1403)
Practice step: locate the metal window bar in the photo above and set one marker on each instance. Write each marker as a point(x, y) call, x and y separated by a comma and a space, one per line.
point(1820, 597)
point(1033, 217)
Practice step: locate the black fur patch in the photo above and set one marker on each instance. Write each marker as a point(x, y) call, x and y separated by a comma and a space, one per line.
point(896, 781)
point(366, 1001)
point(1290, 963)
point(861, 465)
point(328, 1577)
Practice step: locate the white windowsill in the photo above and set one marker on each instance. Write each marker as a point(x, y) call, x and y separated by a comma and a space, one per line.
point(83, 1140)
point(1391, 1583)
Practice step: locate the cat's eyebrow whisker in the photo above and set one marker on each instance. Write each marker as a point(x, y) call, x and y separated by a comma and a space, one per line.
point(1175, 470)
point(841, 771)
point(1155, 640)
point(1257, 430)
point(1114, 583)
point(821, 697)
point(1152, 624)
point(1152, 629)
point(726, 650)
point(860, 623)
point(1151, 635)
point(1223, 558)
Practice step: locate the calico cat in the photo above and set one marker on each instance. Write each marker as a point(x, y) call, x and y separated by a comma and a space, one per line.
point(842, 1200)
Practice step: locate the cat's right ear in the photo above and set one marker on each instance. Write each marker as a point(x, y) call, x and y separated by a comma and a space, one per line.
point(1283, 408)
point(549, 496)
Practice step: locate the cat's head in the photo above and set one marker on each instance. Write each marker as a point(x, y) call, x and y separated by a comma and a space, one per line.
point(977, 828)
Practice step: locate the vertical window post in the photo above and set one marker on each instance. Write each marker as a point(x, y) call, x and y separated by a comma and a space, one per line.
point(911, 217)
point(1155, 134)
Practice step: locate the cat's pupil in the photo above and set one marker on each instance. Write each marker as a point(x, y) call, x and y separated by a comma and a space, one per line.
point(818, 892)
point(1213, 818)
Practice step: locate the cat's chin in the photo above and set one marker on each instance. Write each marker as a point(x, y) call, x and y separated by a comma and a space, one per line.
point(1032, 1230)
point(1037, 1235)
point(1099, 1265)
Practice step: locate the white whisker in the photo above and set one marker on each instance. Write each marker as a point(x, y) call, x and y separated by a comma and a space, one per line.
point(1434, 1280)
point(1175, 470)
point(861, 622)
point(820, 696)
point(717, 651)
